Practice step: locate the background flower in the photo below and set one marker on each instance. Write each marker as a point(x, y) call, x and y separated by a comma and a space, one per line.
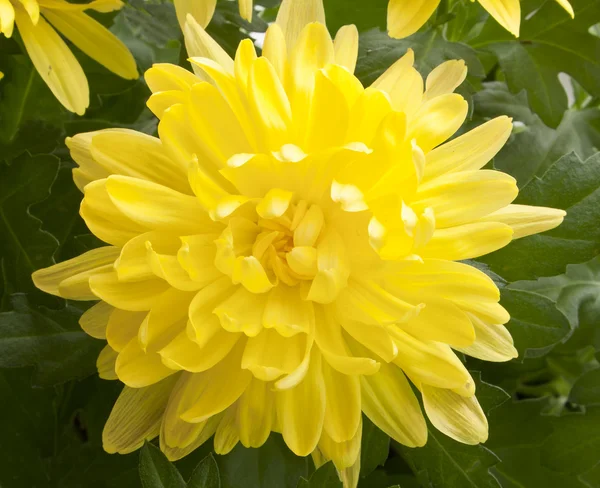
point(54, 61)
point(405, 17)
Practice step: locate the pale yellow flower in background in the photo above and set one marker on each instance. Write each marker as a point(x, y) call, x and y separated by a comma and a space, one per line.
point(284, 257)
point(203, 10)
point(52, 58)
point(405, 17)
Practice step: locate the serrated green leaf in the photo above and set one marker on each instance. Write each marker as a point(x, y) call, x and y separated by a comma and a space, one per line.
point(365, 15)
point(576, 294)
point(533, 146)
point(586, 390)
point(574, 445)
point(324, 477)
point(569, 184)
point(375, 447)
point(273, 464)
point(206, 474)
point(24, 247)
point(550, 43)
point(445, 463)
point(489, 396)
point(535, 323)
point(51, 340)
point(377, 52)
point(156, 471)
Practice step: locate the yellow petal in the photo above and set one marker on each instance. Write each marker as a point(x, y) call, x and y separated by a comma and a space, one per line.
point(467, 241)
point(567, 6)
point(55, 63)
point(103, 6)
point(136, 417)
point(458, 417)
point(49, 279)
point(89, 170)
point(168, 267)
point(201, 10)
point(197, 257)
point(106, 363)
point(440, 321)
point(137, 368)
point(246, 9)
point(333, 267)
point(294, 15)
point(463, 197)
point(437, 120)
point(405, 17)
point(133, 263)
point(168, 316)
point(471, 151)
point(177, 435)
point(328, 336)
point(269, 104)
point(164, 77)
point(493, 342)
point(134, 296)
point(157, 206)
point(200, 44)
point(257, 399)
point(95, 319)
point(287, 313)
point(388, 401)
point(445, 78)
point(7, 19)
point(366, 115)
point(32, 8)
point(104, 219)
point(301, 410)
point(275, 50)
point(242, 312)
point(122, 327)
point(506, 12)
point(184, 353)
point(376, 338)
point(343, 454)
point(227, 435)
point(432, 363)
point(343, 410)
point(159, 102)
point(131, 153)
point(345, 45)
point(526, 220)
point(269, 355)
point(207, 387)
point(95, 40)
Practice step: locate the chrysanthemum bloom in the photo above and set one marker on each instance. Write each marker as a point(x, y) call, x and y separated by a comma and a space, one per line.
point(203, 10)
point(405, 17)
point(286, 255)
point(52, 58)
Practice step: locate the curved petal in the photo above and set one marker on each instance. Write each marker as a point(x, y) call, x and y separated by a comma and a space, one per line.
point(95, 40)
point(95, 320)
point(405, 17)
point(506, 12)
point(55, 63)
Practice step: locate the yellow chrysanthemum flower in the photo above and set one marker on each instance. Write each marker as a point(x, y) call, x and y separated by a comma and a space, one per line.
point(52, 58)
point(405, 17)
point(286, 255)
point(203, 10)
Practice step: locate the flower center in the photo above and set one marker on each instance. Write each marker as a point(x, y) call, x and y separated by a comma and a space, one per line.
point(278, 245)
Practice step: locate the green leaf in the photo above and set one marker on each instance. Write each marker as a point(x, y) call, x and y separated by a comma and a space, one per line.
point(51, 340)
point(569, 184)
point(517, 431)
point(324, 477)
point(377, 52)
point(273, 464)
point(206, 474)
point(577, 295)
point(535, 323)
point(365, 15)
point(445, 463)
point(375, 447)
point(533, 146)
point(586, 390)
point(488, 395)
point(156, 471)
point(550, 43)
point(574, 445)
point(24, 247)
